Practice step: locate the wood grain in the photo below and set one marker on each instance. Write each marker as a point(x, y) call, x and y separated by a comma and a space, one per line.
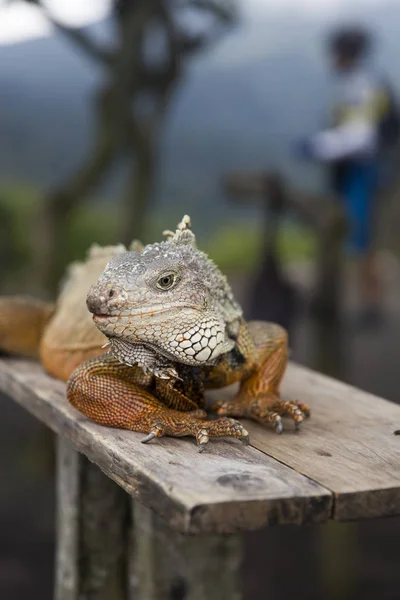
point(348, 445)
point(228, 488)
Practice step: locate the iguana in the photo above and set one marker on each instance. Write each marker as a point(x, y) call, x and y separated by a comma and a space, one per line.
point(173, 329)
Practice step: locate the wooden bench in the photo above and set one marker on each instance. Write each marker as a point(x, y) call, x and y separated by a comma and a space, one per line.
point(133, 543)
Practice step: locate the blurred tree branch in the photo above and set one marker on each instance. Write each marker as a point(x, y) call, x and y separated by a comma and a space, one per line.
point(130, 110)
point(75, 35)
point(224, 9)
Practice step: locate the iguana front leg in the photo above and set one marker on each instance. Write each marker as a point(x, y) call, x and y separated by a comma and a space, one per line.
point(115, 395)
point(259, 397)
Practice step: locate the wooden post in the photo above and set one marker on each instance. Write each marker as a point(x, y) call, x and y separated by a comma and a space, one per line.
point(167, 565)
point(338, 553)
point(330, 262)
point(272, 296)
point(67, 521)
point(92, 530)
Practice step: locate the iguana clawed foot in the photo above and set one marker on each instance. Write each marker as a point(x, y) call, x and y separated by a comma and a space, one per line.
point(265, 409)
point(194, 424)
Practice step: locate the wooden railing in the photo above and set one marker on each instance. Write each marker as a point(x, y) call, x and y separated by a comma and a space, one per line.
point(324, 216)
point(151, 522)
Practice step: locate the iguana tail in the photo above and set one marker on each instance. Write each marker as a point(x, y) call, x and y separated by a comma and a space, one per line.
point(22, 322)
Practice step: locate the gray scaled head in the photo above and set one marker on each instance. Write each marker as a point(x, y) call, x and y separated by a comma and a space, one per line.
point(171, 298)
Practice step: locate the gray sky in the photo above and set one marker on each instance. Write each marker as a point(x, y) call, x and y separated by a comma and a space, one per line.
point(19, 21)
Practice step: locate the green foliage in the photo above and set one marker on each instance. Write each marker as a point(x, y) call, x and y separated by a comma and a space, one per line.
point(92, 224)
point(17, 205)
point(235, 247)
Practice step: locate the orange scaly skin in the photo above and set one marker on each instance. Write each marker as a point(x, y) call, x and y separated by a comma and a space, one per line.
point(116, 395)
point(22, 322)
point(178, 358)
point(122, 396)
point(258, 397)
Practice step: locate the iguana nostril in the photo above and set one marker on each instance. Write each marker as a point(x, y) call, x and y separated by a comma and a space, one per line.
point(95, 303)
point(111, 293)
point(91, 302)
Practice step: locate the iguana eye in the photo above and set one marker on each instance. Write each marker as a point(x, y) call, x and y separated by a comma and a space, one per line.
point(166, 281)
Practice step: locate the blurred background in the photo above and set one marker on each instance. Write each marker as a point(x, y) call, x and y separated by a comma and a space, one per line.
point(119, 116)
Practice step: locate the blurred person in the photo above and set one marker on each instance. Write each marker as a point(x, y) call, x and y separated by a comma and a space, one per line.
point(364, 126)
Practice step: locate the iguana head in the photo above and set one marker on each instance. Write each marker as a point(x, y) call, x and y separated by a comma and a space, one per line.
point(167, 304)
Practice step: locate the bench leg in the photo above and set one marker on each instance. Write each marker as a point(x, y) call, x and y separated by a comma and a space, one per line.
point(166, 565)
point(338, 552)
point(92, 525)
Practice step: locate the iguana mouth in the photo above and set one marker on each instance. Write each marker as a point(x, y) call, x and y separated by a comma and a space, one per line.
point(144, 313)
point(102, 317)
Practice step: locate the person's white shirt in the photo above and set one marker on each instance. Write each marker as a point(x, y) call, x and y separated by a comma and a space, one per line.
point(358, 101)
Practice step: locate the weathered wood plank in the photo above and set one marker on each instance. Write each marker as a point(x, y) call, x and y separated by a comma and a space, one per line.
point(228, 488)
point(348, 445)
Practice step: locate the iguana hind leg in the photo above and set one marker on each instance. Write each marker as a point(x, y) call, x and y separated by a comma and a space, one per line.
point(22, 322)
point(258, 397)
point(115, 395)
